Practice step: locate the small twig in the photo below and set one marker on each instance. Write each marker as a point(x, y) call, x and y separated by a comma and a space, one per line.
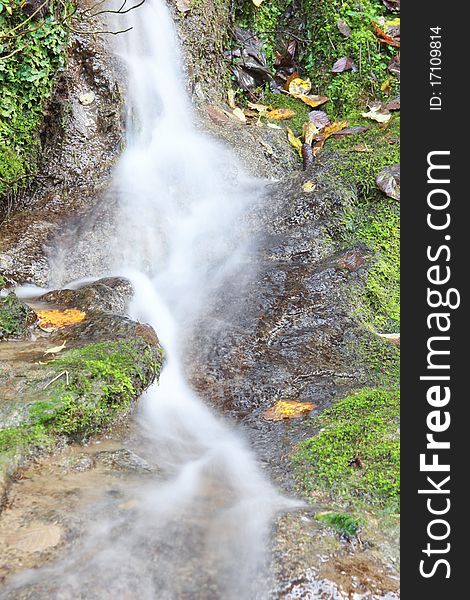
point(66, 373)
point(360, 58)
point(332, 45)
point(8, 33)
point(119, 11)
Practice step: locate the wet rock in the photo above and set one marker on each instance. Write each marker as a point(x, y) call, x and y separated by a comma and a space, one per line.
point(124, 460)
point(15, 316)
point(111, 294)
point(81, 142)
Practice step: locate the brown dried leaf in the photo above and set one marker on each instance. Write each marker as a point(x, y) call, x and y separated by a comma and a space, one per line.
point(183, 5)
point(394, 104)
point(288, 409)
point(319, 118)
point(388, 181)
point(351, 130)
point(330, 130)
point(343, 64)
point(344, 28)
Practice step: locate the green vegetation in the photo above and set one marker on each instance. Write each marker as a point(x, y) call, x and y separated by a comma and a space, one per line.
point(14, 315)
point(374, 221)
point(355, 454)
point(32, 50)
point(327, 44)
point(344, 524)
point(95, 383)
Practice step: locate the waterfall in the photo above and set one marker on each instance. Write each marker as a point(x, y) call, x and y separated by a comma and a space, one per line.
point(202, 531)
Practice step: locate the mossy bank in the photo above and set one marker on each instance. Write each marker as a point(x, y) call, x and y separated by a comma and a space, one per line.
point(71, 384)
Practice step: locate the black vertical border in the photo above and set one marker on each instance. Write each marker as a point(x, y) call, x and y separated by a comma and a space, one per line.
point(424, 131)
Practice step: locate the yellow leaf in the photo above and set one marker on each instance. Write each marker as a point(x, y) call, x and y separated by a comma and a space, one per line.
point(294, 141)
point(56, 319)
point(299, 87)
point(55, 349)
point(273, 126)
point(309, 131)
point(333, 128)
point(280, 114)
point(309, 186)
point(313, 100)
point(257, 3)
point(239, 114)
point(288, 409)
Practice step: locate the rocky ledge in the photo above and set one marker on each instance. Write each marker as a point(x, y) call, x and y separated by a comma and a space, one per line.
point(71, 365)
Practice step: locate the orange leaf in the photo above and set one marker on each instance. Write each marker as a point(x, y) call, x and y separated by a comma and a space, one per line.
point(56, 319)
point(280, 114)
point(330, 130)
point(385, 38)
point(313, 100)
point(288, 409)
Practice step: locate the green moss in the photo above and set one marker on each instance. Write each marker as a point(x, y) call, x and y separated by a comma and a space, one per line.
point(356, 453)
point(349, 89)
point(14, 316)
point(300, 109)
point(95, 384)
point(29, 60)
point(343, 523)
point(102, 379)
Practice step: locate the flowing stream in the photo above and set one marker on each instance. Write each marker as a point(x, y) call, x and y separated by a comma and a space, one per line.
point(201, 531)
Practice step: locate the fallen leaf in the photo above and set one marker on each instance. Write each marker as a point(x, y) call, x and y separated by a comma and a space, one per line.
point(319, 118)
point(55, 349)
point(288, 409)
point(290, 79)
point(309, 187)
point(273, 126)
point(394, 104)
point(385, 87)
point(330, 130)
point(351, 130)
point(280, 114)
point(237, 112)
point(183, 5)
point(218, 116)
point(309, 131)
point(294, 141)
point(343, 64)
point(393, 5)
point(35, 537)
point(313, 100)
point(257, 3)
point(344, 28)
point(87, 98)
point(299, 87)
point(388, 181)
point(55, 319)
point(384, 38)
point(377, 113)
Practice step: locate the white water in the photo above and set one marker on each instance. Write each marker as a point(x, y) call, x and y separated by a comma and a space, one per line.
point(182, 200)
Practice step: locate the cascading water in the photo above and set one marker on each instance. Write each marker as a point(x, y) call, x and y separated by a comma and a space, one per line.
point(201, 533)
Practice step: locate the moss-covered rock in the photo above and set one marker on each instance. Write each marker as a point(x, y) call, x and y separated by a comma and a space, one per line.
point(67, 385)
point(15, 316)
point(355, 454)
